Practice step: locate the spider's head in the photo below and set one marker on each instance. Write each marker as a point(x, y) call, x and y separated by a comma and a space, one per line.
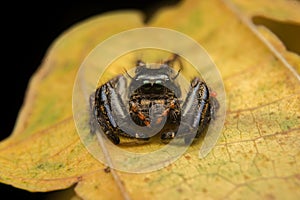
point(154, 78)
point(154, 73)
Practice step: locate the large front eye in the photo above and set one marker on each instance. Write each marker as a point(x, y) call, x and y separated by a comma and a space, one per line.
point(158, 86)
point(147, 86)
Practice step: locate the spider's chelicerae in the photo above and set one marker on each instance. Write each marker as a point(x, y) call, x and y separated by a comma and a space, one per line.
point(151, 104)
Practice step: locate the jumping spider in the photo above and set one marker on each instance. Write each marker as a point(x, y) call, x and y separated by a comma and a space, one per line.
point(153, 105)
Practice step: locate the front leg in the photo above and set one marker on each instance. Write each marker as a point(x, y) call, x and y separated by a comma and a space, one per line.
point(196, 111)
point(112, 115)
point(101, 116)
point(124, 120)
point(101, 108)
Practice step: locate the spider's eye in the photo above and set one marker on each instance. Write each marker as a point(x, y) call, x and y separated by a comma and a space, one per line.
point(158, 82)
point(158, 86)
point(146, 82)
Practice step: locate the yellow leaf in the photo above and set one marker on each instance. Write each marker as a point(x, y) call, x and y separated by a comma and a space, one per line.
point(256, 156)
point(44, 151)
point(278, 15)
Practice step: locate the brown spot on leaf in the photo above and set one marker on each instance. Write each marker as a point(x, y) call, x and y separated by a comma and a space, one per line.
point(180, 190)
point(236, 116)
point(79, 178)
point(107, 170)
point(297, 176)
point(146, 179)
point(246, 177)
point(270, 197)
point(187, 157)
point(169, 167)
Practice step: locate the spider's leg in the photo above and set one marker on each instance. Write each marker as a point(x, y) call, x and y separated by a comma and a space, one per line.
point(137, 114)
point(120, 114)
point(196, 111)
point(102, 114)
point(173, 114)
point(106, 98)
point(171, 60)
point(157, 114)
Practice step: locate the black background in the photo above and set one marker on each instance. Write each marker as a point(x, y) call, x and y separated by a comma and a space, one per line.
point(27, 31)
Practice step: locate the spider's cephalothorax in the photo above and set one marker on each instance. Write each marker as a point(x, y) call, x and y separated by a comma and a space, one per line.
point(151, 104)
